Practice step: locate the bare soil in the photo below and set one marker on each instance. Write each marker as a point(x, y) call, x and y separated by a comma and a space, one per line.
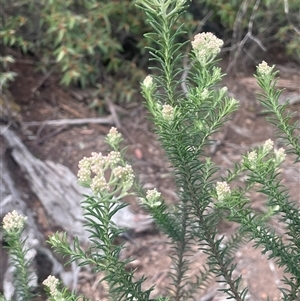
point(68, 144)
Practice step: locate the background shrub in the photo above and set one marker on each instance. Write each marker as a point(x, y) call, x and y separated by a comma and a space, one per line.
point(88, 42)
point(250, 26)
point(93, 42)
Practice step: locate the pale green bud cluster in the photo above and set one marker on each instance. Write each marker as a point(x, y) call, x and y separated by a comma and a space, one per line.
point(124, 173)
point(152, 198)
point(204, 94)
point(268, 146)
point(264, 69)
point(13, 221)
point(257, 158)
point(52, 283)
point(223, 190)
point(114, 138)
point(167, 112)
point(279, 156)
point(148, 82)
point(252, 158)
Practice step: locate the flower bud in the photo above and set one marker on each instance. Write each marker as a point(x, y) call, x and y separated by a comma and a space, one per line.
point(168, 112)
point(148, 82)
point(279, 156)
point(264, 69)
point(223, 190)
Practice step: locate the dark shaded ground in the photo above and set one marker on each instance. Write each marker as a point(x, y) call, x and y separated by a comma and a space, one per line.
point(68, 144)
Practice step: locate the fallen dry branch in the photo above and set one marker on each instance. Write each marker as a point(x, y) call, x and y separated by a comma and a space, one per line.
point(57, 189)
point(13, 199)
point(58, 122)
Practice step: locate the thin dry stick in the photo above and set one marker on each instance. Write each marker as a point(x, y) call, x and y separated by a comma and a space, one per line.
point(248, 36)
point(104, 120)
point(53, 133)
point(113, 112)
point(40, 83)
point(286, 11)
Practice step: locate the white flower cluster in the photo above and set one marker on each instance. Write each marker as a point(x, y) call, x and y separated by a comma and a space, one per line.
point(152, 198)
point(264, 69)
point(13, 221)
point(84, 172)
point(168, 112)
point(206, 46)
point(223, 190)
point(124, 173)
point(279, 155)
point(252, 158)
point(99, 183)
point(113, 158)
point(52, 282)
point(92, 171)
point(268, 146)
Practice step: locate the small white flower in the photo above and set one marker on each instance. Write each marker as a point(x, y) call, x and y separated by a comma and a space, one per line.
point(152, 198)
point(268, 146)
point(98, 162)
point(113, 157)
point(113, 137)
point(279, 155)
point(13, 221)
point(125, 174)
point(52, 282)
point(264, 69)
point(223, 190)
point(84, 172)
point(233, 102)
point(153, 195)
point(204, 94)
point(99, 184)
point(168, 112)
point(148, 82)
point(252, 158)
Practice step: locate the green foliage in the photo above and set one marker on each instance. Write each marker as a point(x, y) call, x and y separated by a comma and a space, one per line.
point(82, 38)
point(6, 76)
point(88, 42)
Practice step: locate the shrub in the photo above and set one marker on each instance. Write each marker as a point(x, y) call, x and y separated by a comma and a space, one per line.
point(88, 42)
point(185, 122)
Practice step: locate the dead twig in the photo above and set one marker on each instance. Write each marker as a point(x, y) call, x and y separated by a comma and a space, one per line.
point(113, 112)
point(249, 36)
point(53, 133)
point(40, 83)
point(59, 122)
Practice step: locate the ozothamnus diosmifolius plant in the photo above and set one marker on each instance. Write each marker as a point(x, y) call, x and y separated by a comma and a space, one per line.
point(185, 121)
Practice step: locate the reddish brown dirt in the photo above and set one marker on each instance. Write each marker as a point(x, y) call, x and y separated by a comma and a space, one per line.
point(68, 144)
